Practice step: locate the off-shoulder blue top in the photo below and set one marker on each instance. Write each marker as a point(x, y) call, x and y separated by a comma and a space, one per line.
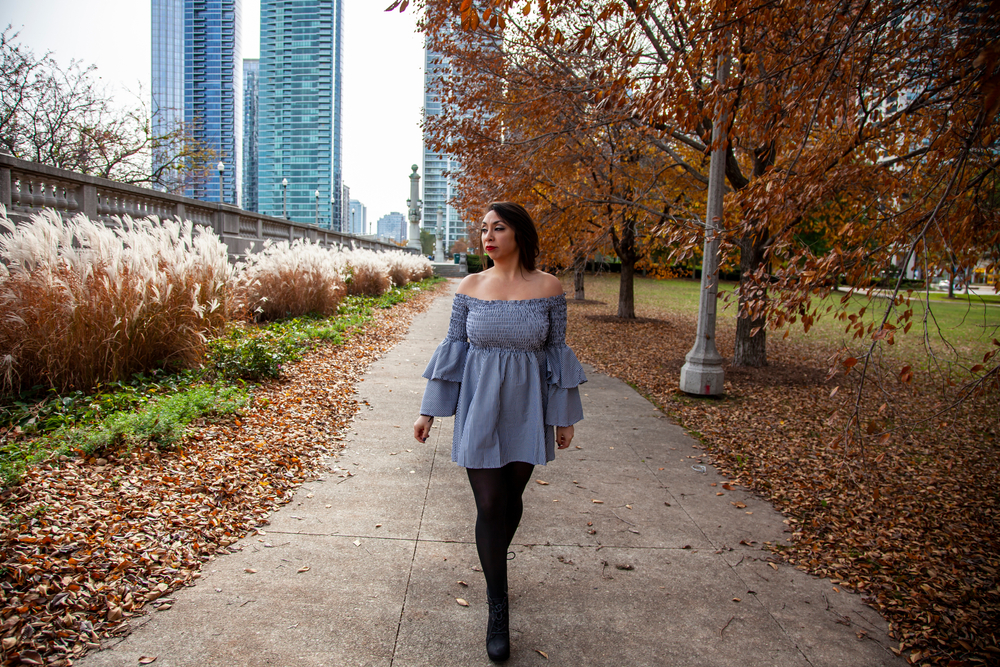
point(504, 370)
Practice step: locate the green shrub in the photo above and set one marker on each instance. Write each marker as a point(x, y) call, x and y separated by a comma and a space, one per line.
point(251, 354)
point(161, 422)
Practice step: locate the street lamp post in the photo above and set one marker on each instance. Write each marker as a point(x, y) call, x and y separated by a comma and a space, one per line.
point(317, 208)
point(284, 198)
point(221, 167)
point(702, 372)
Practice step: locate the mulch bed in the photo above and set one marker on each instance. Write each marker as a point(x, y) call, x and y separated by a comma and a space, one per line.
point(913, 524)
point(86, 545)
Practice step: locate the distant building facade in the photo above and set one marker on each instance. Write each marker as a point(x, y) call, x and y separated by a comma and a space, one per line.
point(197, 81)
point(392, 226)
point(345, 224)
point(438, 169)
point(359, 218)
point(301, 54)
point(251, 88)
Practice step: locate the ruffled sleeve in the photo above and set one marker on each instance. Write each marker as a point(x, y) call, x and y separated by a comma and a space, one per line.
point(444, 372)
point(563, 372)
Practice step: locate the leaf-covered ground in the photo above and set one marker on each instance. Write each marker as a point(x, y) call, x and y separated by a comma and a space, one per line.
point(87, 544)
point(914, 525)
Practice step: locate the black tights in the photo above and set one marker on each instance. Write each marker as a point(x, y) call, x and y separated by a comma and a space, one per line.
point(498, 504)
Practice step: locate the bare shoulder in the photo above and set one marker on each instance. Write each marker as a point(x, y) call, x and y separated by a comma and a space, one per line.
point(469, 284)
point(549, 284)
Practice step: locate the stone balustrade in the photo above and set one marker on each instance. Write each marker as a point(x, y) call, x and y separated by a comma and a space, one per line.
point(28, 187)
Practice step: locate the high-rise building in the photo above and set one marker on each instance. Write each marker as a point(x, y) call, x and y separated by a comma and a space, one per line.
point(251, 80)
point(359, 218)
point(392, 226)
point(197, 80)
point(167, 41)
point(345, 224)
point(299, 109)
point(438, 169)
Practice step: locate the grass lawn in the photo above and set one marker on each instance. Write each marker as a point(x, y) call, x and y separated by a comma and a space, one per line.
point(967, 323)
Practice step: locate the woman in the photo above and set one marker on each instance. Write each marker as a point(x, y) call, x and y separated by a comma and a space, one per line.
point(505, 372)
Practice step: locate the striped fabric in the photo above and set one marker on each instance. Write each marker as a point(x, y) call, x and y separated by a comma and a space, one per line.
point(504, 370)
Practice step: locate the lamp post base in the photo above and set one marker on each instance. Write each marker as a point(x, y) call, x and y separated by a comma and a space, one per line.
point(702, 376)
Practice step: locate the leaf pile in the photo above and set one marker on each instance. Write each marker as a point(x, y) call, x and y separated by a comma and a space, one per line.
point(913, 525)
point(87, 544)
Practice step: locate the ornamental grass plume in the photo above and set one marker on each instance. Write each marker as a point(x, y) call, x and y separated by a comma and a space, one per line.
point(366, 273)
point(406, 267)
point(420, 267)
point(290, 279)
point(82, 303)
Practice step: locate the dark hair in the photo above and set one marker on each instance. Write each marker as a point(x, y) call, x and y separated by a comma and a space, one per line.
point(525, 234)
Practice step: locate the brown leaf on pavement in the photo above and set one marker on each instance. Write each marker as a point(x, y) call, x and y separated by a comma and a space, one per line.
point(87, 543)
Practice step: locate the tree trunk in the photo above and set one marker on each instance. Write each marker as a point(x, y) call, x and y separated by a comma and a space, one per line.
point(626, 292)
point(751, 335)
point(578, 280)
point(625, 249)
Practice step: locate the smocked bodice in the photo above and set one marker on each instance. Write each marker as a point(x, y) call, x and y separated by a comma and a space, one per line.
point(524, 325)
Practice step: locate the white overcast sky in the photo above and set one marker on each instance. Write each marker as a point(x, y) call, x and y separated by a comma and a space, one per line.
point(383, 75)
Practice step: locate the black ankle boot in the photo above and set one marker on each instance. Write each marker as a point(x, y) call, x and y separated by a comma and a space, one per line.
point(498, 629)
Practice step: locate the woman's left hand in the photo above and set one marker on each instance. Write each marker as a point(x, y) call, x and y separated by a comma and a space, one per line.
point(564, 436)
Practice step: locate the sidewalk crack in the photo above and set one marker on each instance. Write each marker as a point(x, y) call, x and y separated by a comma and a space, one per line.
point(416, 543)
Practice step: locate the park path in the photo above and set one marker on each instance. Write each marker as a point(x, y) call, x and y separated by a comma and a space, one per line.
point(364, 566)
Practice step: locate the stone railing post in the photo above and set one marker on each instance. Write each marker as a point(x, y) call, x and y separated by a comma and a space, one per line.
point(88, 200)
point(5, 198)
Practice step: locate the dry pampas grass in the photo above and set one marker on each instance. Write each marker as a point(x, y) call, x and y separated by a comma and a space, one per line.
point(82, 303)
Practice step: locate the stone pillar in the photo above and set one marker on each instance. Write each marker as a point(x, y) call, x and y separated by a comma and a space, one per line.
point(88, 200)
point(5, 195)
point(413, 203)
point(439, 238)
point(702, 372)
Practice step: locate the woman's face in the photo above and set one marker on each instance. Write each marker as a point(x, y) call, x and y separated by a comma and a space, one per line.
point(497, 237)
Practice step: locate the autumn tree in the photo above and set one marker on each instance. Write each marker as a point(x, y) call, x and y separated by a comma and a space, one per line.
point(522, 129)
point(888, 108)
point(62, 117)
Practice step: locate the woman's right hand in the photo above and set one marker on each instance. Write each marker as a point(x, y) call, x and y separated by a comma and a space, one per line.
point(422, 428)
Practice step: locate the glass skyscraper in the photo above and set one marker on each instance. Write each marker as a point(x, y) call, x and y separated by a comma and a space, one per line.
point(438, 187)
point(197, 79)
point(251, 86)
point(299, 130)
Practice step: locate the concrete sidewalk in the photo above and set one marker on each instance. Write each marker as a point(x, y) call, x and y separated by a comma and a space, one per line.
point(664, 570)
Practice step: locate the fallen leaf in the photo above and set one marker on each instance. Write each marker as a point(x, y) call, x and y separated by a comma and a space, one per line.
point(736, 600)
point(597, 502)
point(250, 570)
point(304, 568)
point(147, 659)
point(541, 482)
point(462, 602)
point(462, 583)
point(739, 504)
point(542, 653)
